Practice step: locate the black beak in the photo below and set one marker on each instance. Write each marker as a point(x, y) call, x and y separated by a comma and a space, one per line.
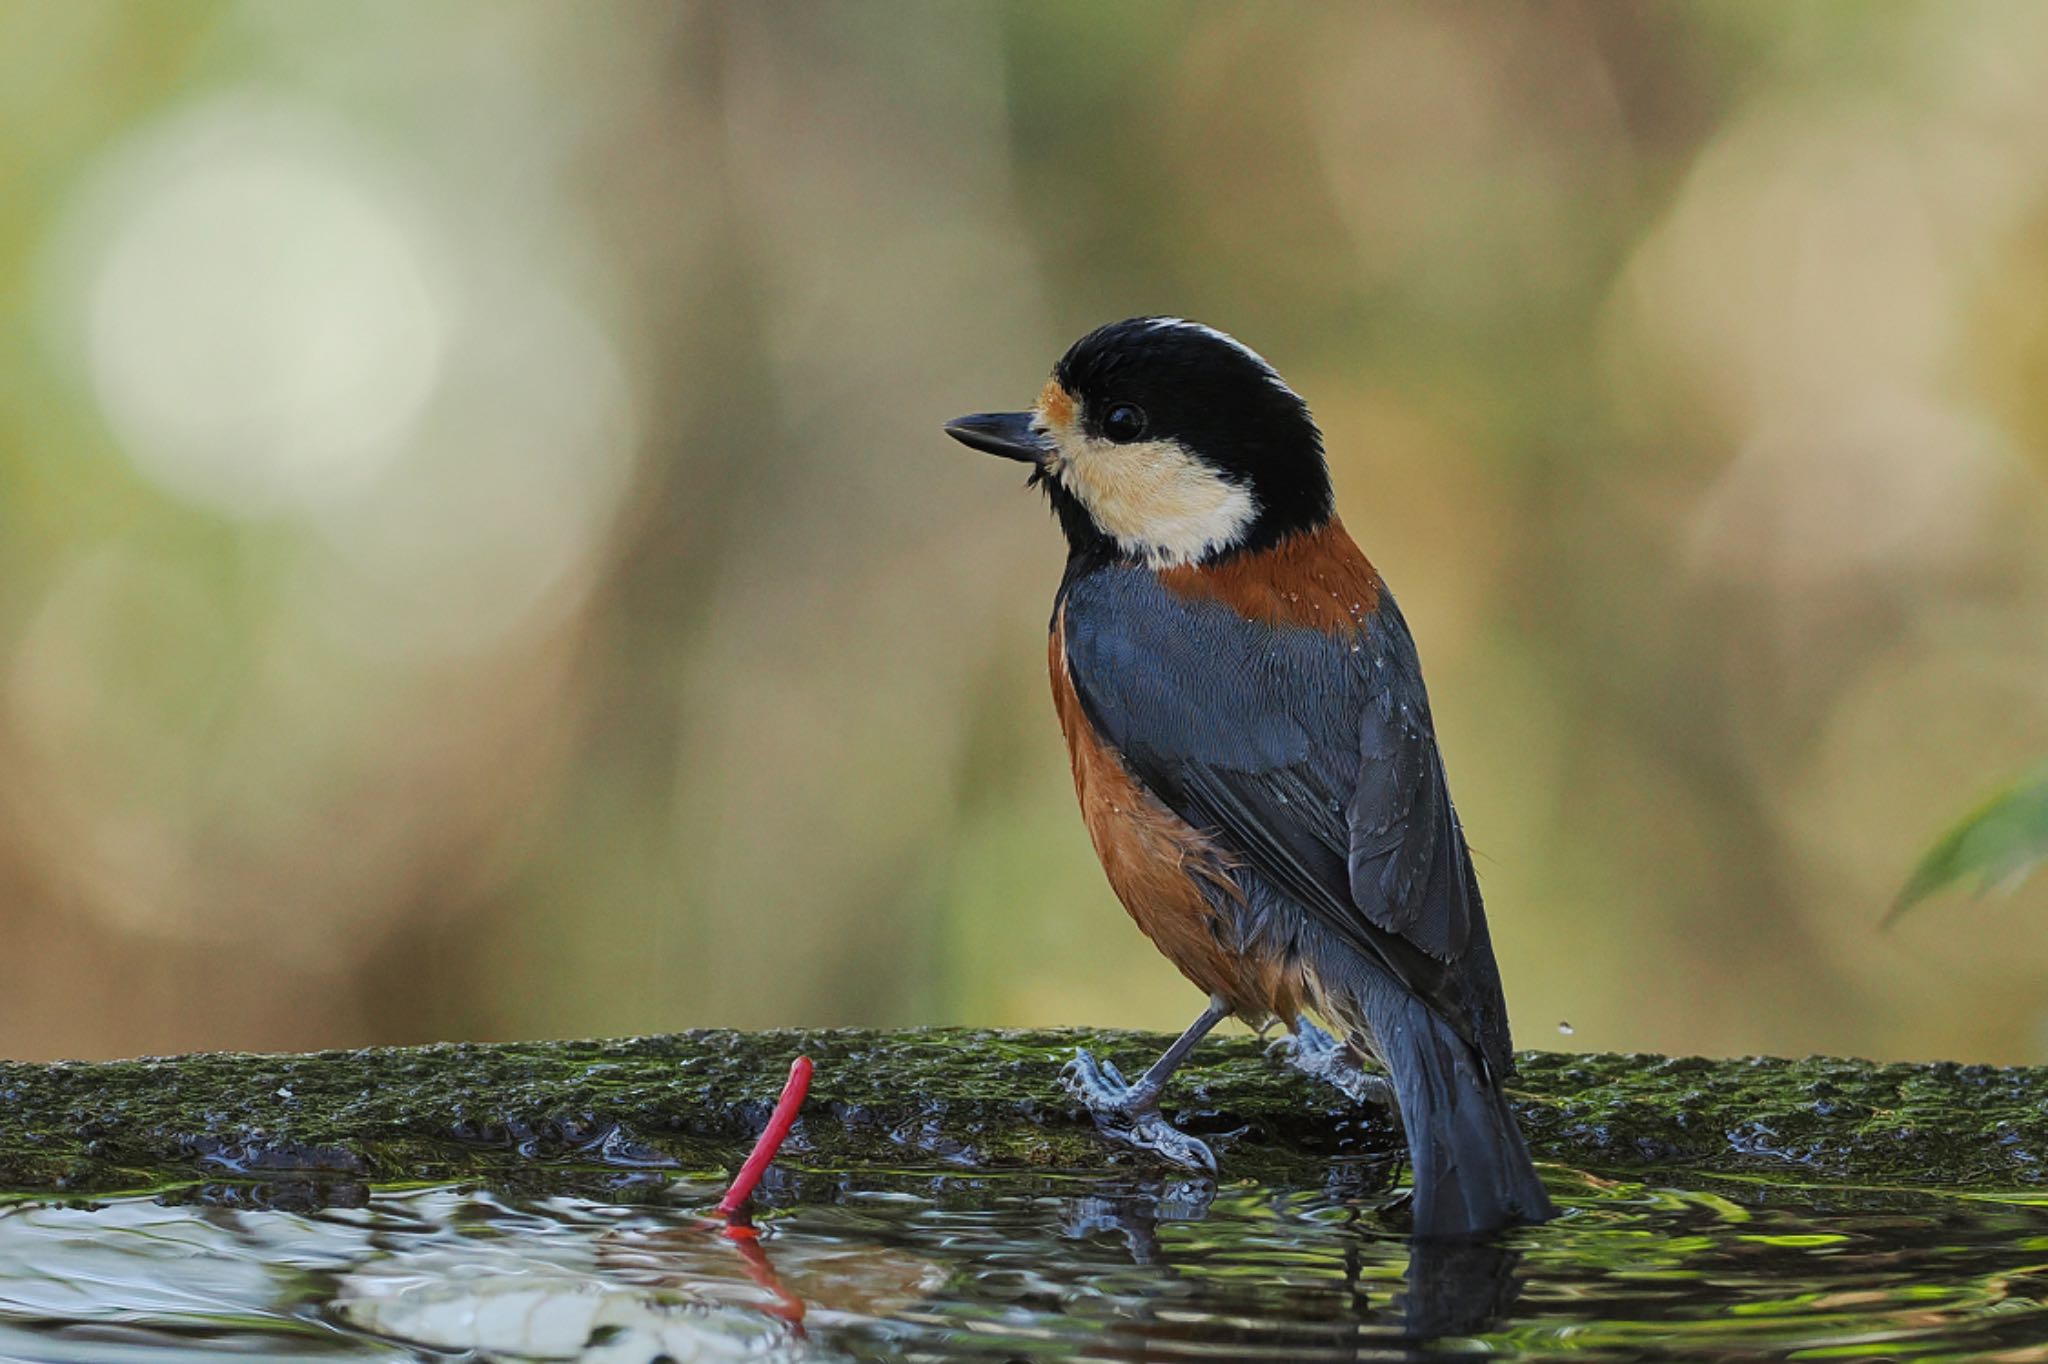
point(1008, 434)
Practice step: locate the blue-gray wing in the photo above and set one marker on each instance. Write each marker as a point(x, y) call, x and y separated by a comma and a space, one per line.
point(1311, 759)
point(1408, 863)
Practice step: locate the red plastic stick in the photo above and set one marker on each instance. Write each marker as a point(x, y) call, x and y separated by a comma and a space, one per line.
point(771, 1139)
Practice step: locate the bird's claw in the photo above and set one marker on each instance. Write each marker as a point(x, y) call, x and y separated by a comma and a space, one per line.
point(1151, 1132)
point(1313, 1052)
point(1098, 1084)
point(1125, 1113)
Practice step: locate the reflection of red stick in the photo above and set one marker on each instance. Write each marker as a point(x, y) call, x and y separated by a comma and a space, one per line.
point(772, 1137)
point(787, 1305)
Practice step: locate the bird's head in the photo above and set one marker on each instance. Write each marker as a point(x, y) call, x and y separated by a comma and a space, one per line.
point(1168, 443)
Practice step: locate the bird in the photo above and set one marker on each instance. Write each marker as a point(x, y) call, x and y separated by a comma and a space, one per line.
point(1254, 756)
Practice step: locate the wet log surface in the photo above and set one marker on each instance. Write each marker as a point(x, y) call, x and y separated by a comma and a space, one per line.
point(957, 1100)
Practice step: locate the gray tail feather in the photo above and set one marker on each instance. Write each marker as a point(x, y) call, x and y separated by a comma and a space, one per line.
point(1471, 1167)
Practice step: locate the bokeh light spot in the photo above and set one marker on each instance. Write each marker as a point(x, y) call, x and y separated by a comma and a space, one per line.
point(261, 324)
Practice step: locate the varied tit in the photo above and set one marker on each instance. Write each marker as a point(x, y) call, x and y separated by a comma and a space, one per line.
point(1254, 756)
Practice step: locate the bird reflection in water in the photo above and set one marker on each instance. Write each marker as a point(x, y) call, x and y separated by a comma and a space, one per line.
point(1453, 1286)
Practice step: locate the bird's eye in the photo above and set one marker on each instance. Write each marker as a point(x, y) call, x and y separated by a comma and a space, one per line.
point(1124, 423)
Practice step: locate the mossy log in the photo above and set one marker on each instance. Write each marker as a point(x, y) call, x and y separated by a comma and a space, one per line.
point(955, 1099)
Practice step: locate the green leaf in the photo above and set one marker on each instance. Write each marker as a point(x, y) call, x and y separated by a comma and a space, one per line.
point(1997, 844)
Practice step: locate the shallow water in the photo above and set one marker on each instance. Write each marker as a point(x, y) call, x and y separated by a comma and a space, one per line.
point(1013, 1268)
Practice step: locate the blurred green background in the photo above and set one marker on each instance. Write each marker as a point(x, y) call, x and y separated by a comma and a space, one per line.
point(478, 558)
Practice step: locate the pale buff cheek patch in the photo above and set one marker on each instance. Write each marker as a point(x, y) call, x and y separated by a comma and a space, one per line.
point(1156, 499)
point(1153, 498)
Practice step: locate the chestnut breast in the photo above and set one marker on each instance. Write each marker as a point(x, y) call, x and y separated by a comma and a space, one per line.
point(1172, 878)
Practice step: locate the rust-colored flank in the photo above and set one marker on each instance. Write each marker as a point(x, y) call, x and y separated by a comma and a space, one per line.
point(1171, 876)
point(1318, 579)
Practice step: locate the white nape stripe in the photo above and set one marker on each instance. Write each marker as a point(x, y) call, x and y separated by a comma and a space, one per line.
point(1160, 324)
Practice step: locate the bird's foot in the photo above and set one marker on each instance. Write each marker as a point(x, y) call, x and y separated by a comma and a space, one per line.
point(1320, 1056)
point(1130, 1114)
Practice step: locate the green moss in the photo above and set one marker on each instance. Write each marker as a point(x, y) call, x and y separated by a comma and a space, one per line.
point(1823, 1118)
point(950, 1098)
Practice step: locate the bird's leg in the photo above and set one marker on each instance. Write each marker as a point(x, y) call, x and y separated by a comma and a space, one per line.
point(1315, 1053)
point(1130, 1112)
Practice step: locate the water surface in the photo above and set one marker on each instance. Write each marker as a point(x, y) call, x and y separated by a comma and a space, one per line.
point(917, 1266)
